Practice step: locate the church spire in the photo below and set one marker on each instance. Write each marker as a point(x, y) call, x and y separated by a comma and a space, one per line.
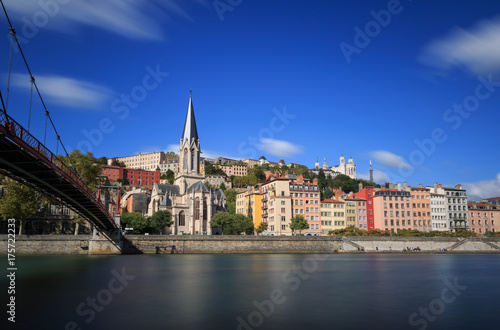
point(190, 132)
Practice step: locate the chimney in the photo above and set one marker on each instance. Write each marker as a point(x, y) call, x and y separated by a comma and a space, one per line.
point(458, 186)
point(391, 186)
point(405, 185)
point(399, 186)
point(315, 181)
point(440, 185)
point(435, 187)
point(360, 186)
point(420, 185)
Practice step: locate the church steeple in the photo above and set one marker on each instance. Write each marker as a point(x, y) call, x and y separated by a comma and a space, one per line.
point(190, 132)
point(189, 148)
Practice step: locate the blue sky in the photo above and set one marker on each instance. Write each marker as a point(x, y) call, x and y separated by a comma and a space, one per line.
point(413, 86)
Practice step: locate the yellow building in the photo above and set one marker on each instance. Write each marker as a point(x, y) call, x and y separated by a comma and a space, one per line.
point(326, 216)
point(332, 215)
point(351, 217)
point(251, 162)
point(249, 203)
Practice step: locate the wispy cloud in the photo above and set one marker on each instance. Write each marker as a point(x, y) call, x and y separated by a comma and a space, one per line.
point(477, 49)
point(131, 19)
point(483, 189)
point(66, 91)
point(389, 159)
point(278, 148)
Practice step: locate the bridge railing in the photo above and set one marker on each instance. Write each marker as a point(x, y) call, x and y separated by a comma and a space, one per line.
point(16, 130)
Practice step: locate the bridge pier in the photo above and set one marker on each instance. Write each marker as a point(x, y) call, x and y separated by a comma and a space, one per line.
point(106, 242)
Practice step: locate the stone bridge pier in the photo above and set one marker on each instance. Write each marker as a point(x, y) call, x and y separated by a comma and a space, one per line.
point(106, 242)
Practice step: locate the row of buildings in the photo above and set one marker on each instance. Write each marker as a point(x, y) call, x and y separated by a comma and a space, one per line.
point(431, 208)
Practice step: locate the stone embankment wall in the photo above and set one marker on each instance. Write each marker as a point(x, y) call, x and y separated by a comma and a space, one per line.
point(69, 244)
point(230, 244)
point(60, 244)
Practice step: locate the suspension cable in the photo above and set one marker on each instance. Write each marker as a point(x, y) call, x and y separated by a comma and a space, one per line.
point(12, 35)
point(32, 79)
point(34, 84)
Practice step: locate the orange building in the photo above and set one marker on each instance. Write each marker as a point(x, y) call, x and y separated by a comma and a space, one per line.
point(306, 202)
point(421, 206)
point(392, 210)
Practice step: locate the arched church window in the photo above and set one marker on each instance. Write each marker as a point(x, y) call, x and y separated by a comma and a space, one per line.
point(182, 218)
point(185, 159)
point(192, 159)
point(205, 209)
point(197, 208)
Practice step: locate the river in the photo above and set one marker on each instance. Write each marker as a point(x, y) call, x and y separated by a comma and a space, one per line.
point(269, 291)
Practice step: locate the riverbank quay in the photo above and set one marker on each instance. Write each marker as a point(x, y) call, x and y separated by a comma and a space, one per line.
point(187, 244)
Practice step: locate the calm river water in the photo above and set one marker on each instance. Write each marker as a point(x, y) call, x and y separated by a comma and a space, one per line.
point(281, 291)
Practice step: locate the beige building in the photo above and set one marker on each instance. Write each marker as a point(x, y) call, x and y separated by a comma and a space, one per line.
point(331, 216)
point(148, 161)
point(235, 169)
point(215, 181)
point(351, 212)
point(277, 206)
point(169, 164)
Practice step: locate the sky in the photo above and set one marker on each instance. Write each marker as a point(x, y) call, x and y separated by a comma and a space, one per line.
point(412, 86)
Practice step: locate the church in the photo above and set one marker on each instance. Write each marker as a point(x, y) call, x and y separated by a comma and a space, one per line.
point(189, 200)
point(348, 169)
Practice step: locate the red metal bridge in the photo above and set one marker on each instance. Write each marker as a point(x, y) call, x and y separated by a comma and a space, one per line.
point(25, 159)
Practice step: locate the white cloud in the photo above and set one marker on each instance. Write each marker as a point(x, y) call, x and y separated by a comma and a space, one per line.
point(131, 19)
point(389, 159)
point(378, 176)
point(477, 49)
point(66, 91)
point(483, 189)
point(278, 148)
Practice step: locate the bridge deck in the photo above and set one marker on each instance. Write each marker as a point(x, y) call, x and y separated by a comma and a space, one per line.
point(25, 159)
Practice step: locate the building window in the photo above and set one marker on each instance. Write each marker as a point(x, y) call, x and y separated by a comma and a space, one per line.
point(182, 219)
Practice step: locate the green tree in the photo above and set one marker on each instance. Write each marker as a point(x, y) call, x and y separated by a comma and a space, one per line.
point(170, 176)
point(86, 166)
point(232, 224)
point(223, 221)
point(102, 161)
point(22, 202)
point(134, 220)
point(243, 224)
point(171, 155)
point(327, 194)
point(301, 170)
point(261, 228)
point(231, 200)
point(160, 219)
point(322, 181)
point(222, 186)
point(299, 223)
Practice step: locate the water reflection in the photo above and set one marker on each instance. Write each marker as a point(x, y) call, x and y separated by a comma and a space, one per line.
point(218, 291)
